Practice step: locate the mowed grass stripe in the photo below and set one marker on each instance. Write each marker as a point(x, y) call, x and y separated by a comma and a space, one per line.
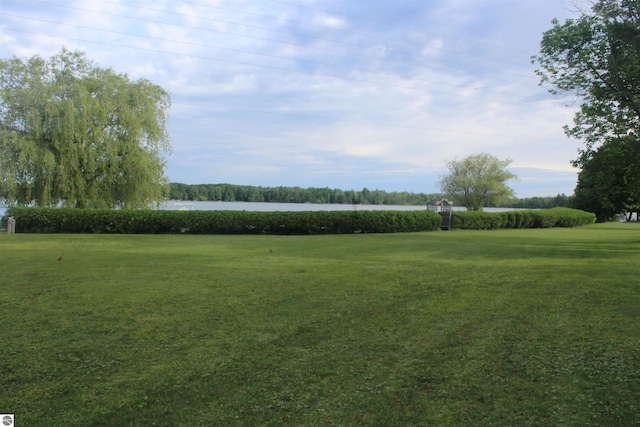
point(504, 327)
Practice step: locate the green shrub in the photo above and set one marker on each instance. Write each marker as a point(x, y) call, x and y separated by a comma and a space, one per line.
point(524, 219)
point(69, 220)
point(477, 220)
point(543, 218)
point(546, 218)
point(66, 220)
point(560, 217)
point(509, 219)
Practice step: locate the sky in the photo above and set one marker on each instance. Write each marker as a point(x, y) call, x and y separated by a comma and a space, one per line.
point(346, 94)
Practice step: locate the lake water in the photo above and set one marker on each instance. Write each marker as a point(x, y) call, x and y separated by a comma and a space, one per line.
point(275, 207)
point(174, 205)
point(296, 207)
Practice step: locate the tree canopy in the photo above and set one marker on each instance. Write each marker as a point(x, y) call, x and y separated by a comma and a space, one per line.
point(478, 180)
point(596, 58)
point(609, 183)
point(250, 193)
point(74, 134)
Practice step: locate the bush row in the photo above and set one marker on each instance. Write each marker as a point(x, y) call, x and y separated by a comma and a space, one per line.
point(61, 220)
point(544, 218)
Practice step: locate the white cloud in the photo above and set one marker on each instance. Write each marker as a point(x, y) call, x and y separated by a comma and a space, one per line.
point(328, 20)
point(404, 86)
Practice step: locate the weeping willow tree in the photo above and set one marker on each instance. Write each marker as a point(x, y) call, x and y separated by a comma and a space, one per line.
point(77, 135)
point(478, 180)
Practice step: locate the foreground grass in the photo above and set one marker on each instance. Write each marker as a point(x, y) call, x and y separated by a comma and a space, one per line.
point(506, 327)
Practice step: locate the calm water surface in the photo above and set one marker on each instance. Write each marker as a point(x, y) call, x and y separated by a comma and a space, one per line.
point(275, 207)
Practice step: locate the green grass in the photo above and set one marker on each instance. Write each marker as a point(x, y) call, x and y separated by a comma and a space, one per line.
point(463, 328)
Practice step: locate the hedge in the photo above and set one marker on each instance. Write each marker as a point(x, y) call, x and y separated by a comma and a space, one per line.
point(544, 218)
point(69, 220)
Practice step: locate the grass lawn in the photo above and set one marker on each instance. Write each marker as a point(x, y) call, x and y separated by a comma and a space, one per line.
point(462, 328)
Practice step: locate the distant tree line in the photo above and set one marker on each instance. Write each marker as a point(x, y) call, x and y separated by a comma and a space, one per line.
point(248, 193)
point(558, 201)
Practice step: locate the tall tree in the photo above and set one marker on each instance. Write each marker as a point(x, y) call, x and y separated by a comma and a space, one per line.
point(78, 135)
point(478, 180)
point(609, 182)
point(596, 58)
